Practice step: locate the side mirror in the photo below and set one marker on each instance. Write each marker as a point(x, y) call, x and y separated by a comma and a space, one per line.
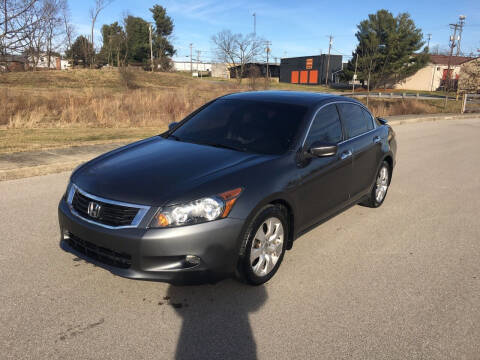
point(172, 126)
point(382, 120)
point(318, 149)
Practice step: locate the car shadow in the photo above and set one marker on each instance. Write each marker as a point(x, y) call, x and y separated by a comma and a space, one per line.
point(215, 319)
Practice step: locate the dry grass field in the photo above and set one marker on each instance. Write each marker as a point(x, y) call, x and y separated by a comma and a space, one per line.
point(61, 108)
point(101, 98)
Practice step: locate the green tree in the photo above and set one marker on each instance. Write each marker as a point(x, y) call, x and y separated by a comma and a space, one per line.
point(162, 48)
point(387, 49)
point(137, 40)
point(114, 47)
point(80, 51)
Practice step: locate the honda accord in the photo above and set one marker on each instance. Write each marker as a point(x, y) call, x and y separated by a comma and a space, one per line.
point(226, 191)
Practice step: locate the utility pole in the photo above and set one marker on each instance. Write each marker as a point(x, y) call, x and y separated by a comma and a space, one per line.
point(254, 24)
point(151, 46)
point(191, 60)
point(268, 43)
point(328, 59)
point(452, 45)
point(462, 22)
point(428, 43)
point(355, 74)
point(198, 63)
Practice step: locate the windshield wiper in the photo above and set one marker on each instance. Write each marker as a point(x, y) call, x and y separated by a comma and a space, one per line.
point(174, 137)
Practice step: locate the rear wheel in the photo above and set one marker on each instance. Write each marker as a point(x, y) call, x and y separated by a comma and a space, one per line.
point(379, 191)
point(266, 240)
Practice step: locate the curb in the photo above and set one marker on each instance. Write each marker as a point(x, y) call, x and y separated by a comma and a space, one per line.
point(30, 171)
point(433, 118)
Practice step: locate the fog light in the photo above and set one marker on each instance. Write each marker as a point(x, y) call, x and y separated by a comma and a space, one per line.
point(192, 259)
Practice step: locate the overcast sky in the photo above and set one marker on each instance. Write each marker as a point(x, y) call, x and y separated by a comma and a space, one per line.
point(295, 27)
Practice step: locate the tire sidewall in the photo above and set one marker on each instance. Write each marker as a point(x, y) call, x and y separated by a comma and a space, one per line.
point(265, 213)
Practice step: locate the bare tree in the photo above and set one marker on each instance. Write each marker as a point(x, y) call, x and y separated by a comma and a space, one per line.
point(41, 40)
point(17, 17)
point(68, 28)
point(99, 6)
point(237, 50)
point(53, 26)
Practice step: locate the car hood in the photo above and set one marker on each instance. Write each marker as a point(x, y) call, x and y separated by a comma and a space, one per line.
point(156, 170)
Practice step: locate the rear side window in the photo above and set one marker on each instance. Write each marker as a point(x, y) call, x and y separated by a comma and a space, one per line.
point(353, 119)
point(368, 118)
point(326, 127)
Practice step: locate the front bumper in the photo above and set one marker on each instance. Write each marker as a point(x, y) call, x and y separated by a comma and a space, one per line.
point(155, 254)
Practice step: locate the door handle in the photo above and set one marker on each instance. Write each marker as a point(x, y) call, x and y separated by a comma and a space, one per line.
point(346, 154)
point(376, 139)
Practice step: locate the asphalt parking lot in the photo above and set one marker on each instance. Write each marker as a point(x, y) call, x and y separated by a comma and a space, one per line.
point(398, 282)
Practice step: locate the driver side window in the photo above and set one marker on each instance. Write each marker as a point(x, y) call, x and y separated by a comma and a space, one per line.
point(326, 127)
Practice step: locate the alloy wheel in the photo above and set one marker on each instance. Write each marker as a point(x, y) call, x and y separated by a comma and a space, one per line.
point(267, 246)
point(381, 184)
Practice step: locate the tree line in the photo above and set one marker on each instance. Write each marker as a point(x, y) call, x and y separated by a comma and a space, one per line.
point(128, 42)
point(43, 28)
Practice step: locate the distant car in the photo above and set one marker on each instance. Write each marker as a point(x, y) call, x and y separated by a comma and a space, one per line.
point(227, 190)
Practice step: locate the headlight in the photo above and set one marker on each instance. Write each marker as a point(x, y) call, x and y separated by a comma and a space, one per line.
point(198, 211)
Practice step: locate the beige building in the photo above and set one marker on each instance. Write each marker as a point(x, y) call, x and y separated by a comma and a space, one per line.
point(432, 76)
point(220, 70)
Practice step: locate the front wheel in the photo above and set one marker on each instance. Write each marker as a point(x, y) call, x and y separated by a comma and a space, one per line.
point(266, 240)
point(380, 188)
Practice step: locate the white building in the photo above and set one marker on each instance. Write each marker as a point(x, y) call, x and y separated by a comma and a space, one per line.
point(56, 63)
point(192, 66)
point(434, 74)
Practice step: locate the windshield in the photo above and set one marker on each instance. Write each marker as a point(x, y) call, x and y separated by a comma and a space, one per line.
point(251, 126)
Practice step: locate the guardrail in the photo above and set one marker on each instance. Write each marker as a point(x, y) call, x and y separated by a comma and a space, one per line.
point(404, 95)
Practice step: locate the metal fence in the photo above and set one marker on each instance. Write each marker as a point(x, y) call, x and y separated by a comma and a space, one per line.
point(471, 103)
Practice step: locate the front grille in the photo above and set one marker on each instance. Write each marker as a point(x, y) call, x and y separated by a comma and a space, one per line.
point(101, 254)
point(110, 214)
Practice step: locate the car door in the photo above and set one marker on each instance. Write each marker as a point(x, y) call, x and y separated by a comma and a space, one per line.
point(363, 142)
point(324, 181)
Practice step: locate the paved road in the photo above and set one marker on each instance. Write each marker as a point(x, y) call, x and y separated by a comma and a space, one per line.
point(399, 282)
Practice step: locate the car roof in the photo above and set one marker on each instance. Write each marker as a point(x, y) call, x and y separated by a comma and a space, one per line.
point(305, 98)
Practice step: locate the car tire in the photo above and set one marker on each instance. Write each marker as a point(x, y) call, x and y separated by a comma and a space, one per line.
point(380, 188)
point(265, 242)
